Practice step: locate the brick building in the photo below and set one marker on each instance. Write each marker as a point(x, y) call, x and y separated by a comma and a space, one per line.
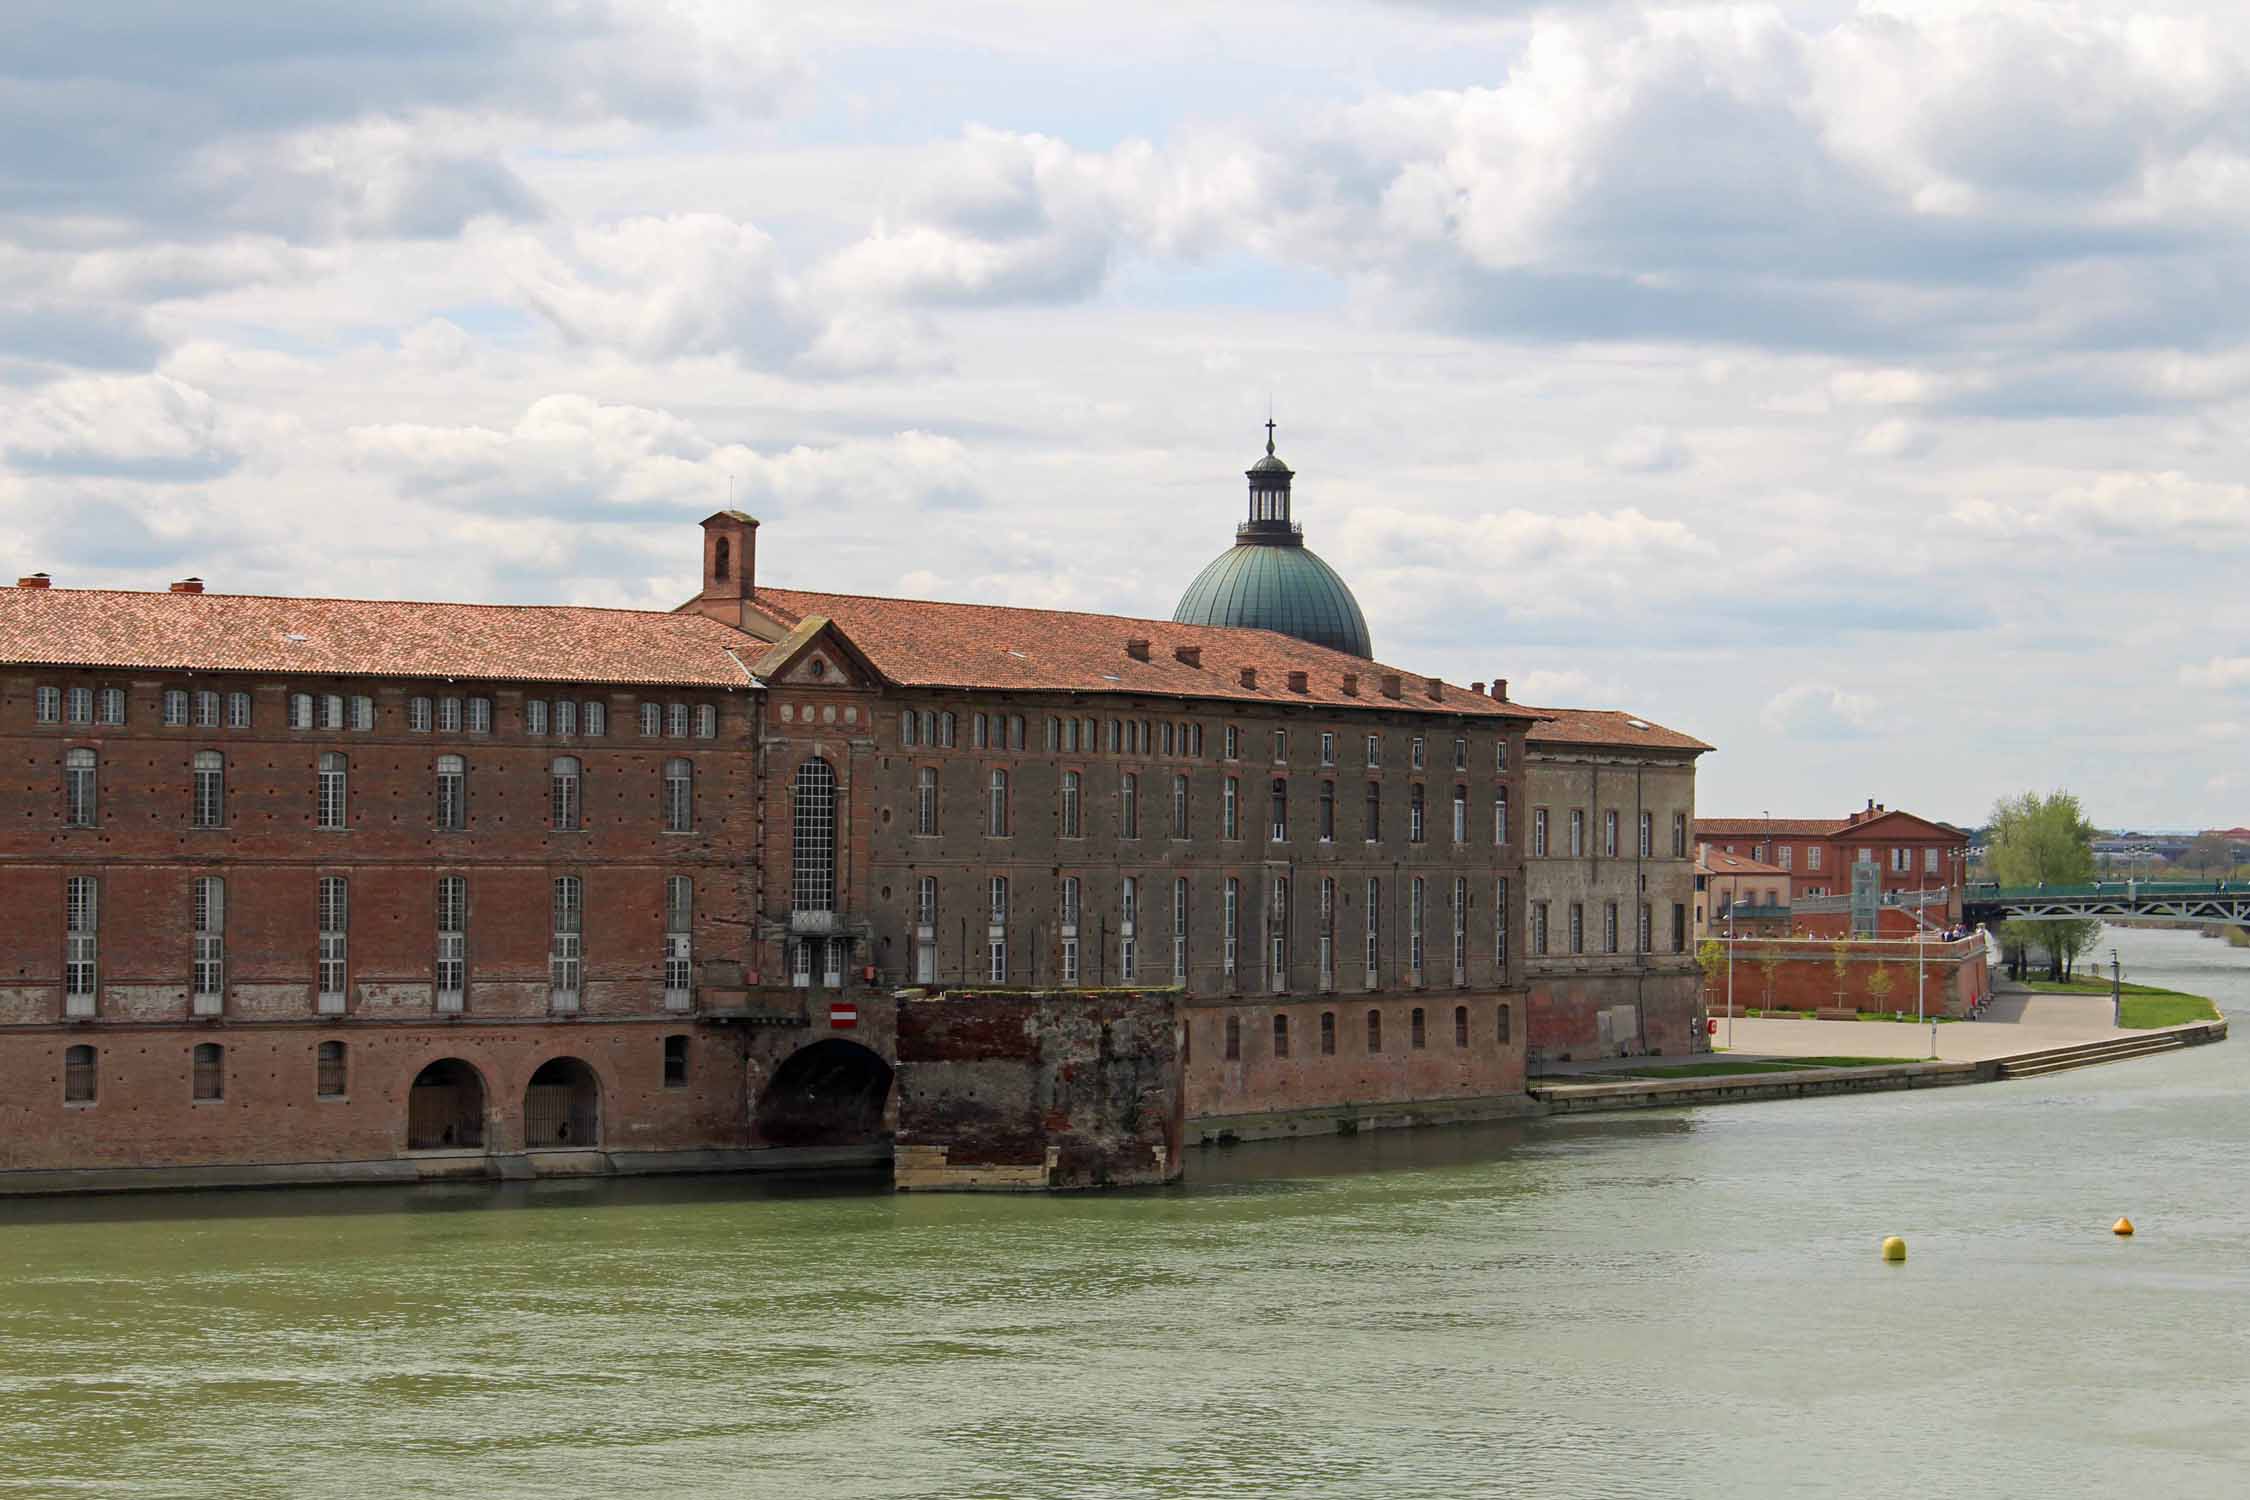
point(1610, 961)
point(1755, 892)
point(1912, 853)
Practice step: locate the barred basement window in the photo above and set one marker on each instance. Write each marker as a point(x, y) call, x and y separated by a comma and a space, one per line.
point(812, 841)
point(1460, 1026)
point(1418, 1036)
point(238, 710)
point(1234, 1039)
point(679, 795)
point(1328, 1033)
point(652, 720)
point(208, 991)
point(81, 806)
point(80, 1078)
point(331, 801)
point(926, 800)
point(566, 794)
point(81, 934)
point(47, 705)
point(1374, 1031)
point(1280, 1036)
point(210, 1071)
point(329, 1075)
point(452, 943)
point(452, 813)
point(565, 951)
point(679, 942)
point(207, 705)
point(335, 929)
point(675, 1062)
point(418, 718)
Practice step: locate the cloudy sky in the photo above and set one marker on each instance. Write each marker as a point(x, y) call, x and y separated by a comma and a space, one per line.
point(1863, 388)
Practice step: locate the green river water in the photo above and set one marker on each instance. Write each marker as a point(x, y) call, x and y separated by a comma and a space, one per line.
point(1682, 1304)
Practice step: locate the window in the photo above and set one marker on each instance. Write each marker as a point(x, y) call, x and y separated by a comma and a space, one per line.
point(1679, 837)
point(1415, 814)
point(1372, 814)
point(1414, 913)
point(238, 710)
point(210, 1071)
point(944, 737)
point(679, 942)
point(925, 933)
point(1460, 929)
point(113, 706)
point(1788, 860)
point(1500, 816)
point(1327, 933)
point(452, 943)
point(479, 715)
point(996, 933)
point(206, 709)
point(1071, 825)
point(596, 720)
point(335, 916)
point(1374, 751)
point(1195, 740)
point(1501, 1030)
point(1679, 927)
point(1328, 1033)
point(1577, 927)
point(1328, 812)
point(812, 838)
point(1460, 815)
point(80, 804)
point(566, 717)
point(1539, 929)
point(1609, 927)
point(1609, 834)
point(1648, 835)
point(418, 716)
point(1278, 969)
point(1116, 737)
point(175, 706)
point(1417, 1030)
point(909, 728)
point(1374, 931)
point(1281, 747)
point(675, 1062)
point(996, 820)
point(81, 705)
point(1327, 748)
point(1280, 818)
point(706, 721)
point(566, 956)
point(452, 810)
point(1128, 910)
point(1281, 1036)
point(1902, 861)
point(1179, 807)
point(1230, 924)
point(449, 715)
point(676, 721)
point(47, 705)
point(329, 1076)
point(1500, 929)
point(1129, 807)
point(1233, 744)
point(1929, 861)
point(1070, 929)
point(679, 795)
point(1460, 753)
point(1460, 1026)
point(978, 739)
point(331, 810)
point(209, 913)
point(1374, 1031)
point(81, 933)
point(363, 712)
point(1577, 832)
point(566, 794)
point(1812, 856)
point(652, 720)
point(79, 1075)
point(1234, 1039)
point(1179, 929)
point(332, 711)
point(925, 800)
point(534, 717)
point(1641, 933)
point(1415, 755)
point(1230, 810)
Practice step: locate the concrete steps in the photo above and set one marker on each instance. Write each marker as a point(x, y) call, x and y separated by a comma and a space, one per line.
point(2116, 1049)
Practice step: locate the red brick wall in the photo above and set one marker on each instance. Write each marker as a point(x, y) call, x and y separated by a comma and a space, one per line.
point(1953, 976)
point(1665, 1017)
point(1258, 1082)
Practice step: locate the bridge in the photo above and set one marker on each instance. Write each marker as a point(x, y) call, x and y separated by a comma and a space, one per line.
point(2217, 903)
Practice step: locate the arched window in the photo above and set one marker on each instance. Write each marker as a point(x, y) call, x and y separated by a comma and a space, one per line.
point(452, 794)
point(945, 730)
point(676, 720)
point(331, 801)
point(210, 1071)
point(300, 711)
point(329, 1075)
point(449, 716)
point(596, 717)
point(206, 710)
point(332, 711)
point(722, 560)
point(812, 838)
point(418, 717)
point(566, 717)
point(909, 725)
point(80, 805)
point(679, 795)
point(238, 710)
point(79, 1076)
point(363, 712)
point(706, 722)
point(1015, 732)
point(566, 794)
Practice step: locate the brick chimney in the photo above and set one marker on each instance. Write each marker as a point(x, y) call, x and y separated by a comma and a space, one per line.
point(1137, 647)
point(1300, 682)
point(188, 586)
point(1391, 684)
point(35, 581)
point(1249, 677)
point(1437, 687)
point(1500, 688)
point(1477, 688)
point(1192, 655)
point(1351, 684)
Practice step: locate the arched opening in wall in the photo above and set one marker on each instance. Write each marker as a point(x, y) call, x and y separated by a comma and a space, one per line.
point(828, 1094)
point(562, 1106)
point(445, 1108)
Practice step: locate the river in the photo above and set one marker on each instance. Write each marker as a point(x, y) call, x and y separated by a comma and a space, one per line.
point(1683, 1304)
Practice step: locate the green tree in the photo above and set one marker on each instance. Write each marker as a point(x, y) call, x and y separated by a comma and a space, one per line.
point(1879, 985)
point(2035, 840)
point(1712, 955)
point(1840, 958)
point(1769, 964)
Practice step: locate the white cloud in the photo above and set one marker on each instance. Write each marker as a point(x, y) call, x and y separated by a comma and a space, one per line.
point(2225, 674)
point(145, 427)
point(1893, 438)
point(1820, 711)
point(1649, 450)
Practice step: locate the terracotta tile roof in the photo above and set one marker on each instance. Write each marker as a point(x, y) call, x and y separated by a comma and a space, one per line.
point(1719, 862)
point(923, 643)
point(1607, 726)
point(367, 638)
point(1739, 828)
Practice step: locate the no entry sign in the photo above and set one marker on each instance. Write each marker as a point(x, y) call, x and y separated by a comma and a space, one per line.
point(842, 1017)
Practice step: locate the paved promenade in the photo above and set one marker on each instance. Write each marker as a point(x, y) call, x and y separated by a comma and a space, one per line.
point(2013, 1023)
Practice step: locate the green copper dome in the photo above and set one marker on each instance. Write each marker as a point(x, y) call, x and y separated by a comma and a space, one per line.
point(1269, 580)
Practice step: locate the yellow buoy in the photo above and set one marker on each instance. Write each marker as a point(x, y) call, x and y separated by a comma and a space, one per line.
point(1894, 1248)
point(2122, 1226)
